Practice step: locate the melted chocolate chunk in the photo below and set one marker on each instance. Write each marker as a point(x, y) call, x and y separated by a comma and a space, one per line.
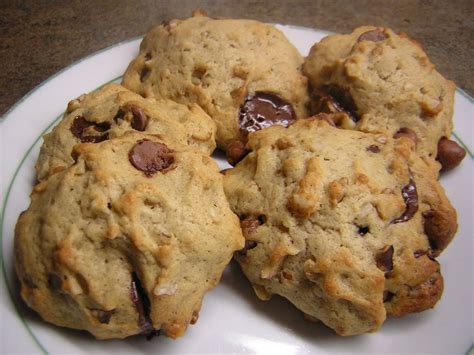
point(83, 129)
point(140, 119)
point(151, 157)
point(384, 259)
point(374, 36)
point(144, 73)
point(119, 115)
point(419, 253)
point(410, 196)
point(249, 244)
point(450, 154)
point(373, 148)
point(142, 305)
point(333, 98)
point(363, 230)
point(104, 316)
point(261, 110)
point(434, 227)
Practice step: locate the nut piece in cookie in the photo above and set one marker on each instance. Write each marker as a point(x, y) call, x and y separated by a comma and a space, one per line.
point(384, 82)
point(128, 239)
point(232, 68)
point(113, 110)
point(344, 224)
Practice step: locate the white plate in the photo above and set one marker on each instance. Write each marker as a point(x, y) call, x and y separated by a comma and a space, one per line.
point(232, 319)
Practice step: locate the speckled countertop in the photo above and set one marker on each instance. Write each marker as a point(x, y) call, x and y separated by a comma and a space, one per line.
point(39, 38)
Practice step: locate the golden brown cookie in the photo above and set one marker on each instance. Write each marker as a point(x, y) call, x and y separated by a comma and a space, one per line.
point(113, 110)
point(128, 239)
point(245, 74)
point(384, 82)
point(344, 224)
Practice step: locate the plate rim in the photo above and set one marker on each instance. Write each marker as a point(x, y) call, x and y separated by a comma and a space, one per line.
point(8, 186)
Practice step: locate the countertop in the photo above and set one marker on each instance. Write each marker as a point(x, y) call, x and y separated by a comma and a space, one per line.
point(39, 38)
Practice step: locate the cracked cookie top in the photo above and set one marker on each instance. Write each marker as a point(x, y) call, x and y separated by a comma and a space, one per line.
point(344, 224)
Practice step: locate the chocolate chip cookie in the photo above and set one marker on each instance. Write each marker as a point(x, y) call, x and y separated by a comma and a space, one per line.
point(113, 110)
point(384, 82)
point(245, 74)
point(126, 240)
point(344, 224)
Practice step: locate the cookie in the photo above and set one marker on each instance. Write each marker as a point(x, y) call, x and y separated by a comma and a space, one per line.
point(344, 224)
point(384, 82)
point(113, 110)
point(245, 74)
point(128, 239)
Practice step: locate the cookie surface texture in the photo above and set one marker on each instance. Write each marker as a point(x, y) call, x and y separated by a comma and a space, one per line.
point(127, 240)
point(222, 65)
point(385, 83)
point(113, 110)
point(344, 224)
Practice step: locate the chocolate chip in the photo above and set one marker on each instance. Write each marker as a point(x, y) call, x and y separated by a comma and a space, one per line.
point(450, 154)
point(142, 305)
point(119, 115)
point(194, 317)
point(236, 152)
point(419, 253)
point(83, 129)
point(406, 132)
point(374, 36)
point(261, 110)
point(373, 148)
point(150, 157)
point(249, 244)
point(410, 196)
point(384, 259)
point(140, 119)
point(144, 73)
point(363, 230)
point(438, 235)
point(332, 99)
point(104, 316)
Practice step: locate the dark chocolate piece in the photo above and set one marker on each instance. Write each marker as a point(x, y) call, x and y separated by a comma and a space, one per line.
point(410, 196)
point(374, 36)
point(384, 259)
point(142, 305)
point(83, 129)
point(261, 110)
point(151, 157)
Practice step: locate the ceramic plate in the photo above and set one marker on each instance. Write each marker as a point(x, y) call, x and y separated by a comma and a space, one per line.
point(232, 319)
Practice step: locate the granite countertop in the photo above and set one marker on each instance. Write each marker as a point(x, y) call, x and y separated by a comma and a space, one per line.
point(38, 38)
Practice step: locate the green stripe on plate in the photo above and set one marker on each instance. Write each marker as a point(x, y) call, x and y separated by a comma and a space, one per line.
point(5, 201)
